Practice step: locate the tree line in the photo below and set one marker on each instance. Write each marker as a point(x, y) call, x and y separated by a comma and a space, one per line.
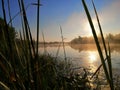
point(115, 39)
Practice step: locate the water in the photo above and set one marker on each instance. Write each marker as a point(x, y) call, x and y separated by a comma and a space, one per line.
point(85, 55)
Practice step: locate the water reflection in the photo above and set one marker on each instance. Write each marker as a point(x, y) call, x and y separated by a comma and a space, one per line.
point(92, 57)
point(84, 47)
point(92, 47)
point(85, 55)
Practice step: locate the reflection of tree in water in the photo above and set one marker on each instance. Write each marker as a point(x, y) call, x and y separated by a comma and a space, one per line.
point(84, 47)
point(115, 47)
point(92, 47)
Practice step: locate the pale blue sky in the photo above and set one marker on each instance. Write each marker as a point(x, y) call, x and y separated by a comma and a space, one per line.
point(70, 15)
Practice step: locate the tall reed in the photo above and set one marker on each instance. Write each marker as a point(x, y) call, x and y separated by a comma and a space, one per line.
point(10, 47)
point(9, 12)
point(38, 6)
point(108, 57)
point(63, 44)
point(44, 43)
point(108, 75)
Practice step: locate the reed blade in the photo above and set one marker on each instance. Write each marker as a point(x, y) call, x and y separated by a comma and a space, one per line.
point(9, 12)
point(110, 67)
point(98, 69)
point(38, 11)
point(4, 86)
point(45, 51)
point(9, 43)
point(63, 43)
point(100, 28)
point(96, 41)
point(57, 51)
point(105, 48)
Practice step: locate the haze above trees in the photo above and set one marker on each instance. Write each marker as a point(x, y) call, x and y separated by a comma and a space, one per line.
point(90, 40)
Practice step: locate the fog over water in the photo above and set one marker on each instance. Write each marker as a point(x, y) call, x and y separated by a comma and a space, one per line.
point(84, 55)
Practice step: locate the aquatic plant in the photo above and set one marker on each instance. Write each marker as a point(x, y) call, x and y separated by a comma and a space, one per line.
point(108, 71)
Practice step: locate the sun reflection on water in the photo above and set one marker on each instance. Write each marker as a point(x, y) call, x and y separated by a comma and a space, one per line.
point(92, 57)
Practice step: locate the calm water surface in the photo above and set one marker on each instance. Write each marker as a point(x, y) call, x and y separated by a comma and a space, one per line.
point(84, 55)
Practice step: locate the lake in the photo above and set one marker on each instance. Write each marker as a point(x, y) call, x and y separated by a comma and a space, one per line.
point(84, 55)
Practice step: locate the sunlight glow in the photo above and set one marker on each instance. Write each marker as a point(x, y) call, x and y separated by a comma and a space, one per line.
point(87, 27)
point(92, 57)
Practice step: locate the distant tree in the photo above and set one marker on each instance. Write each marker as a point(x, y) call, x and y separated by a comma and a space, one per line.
point(110, 37)
point(75, 41)
point(82, 40)
point(117, 38)
point(113, 38)
point(90, 40)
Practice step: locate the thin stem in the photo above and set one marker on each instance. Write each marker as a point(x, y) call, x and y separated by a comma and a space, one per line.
point(103, 40)
point(9, 41)
point(96, 41)
point(100, 29)
point(9, 12)
point(63, 43)
point(44, 43)
point(37, 26)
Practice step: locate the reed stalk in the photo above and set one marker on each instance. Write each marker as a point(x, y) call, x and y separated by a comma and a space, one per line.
point(20, 12)
point(100, 28)
point(97, 44)
point(9, 12)
point(29, 57)
point(45, 51)
point(9, 41)
point(38, 11)
point(63, 43)
point(105, 48)
point(57, 51)
point(110, 67)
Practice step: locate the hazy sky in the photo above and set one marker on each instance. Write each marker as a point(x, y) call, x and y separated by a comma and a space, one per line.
point(70, 15)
